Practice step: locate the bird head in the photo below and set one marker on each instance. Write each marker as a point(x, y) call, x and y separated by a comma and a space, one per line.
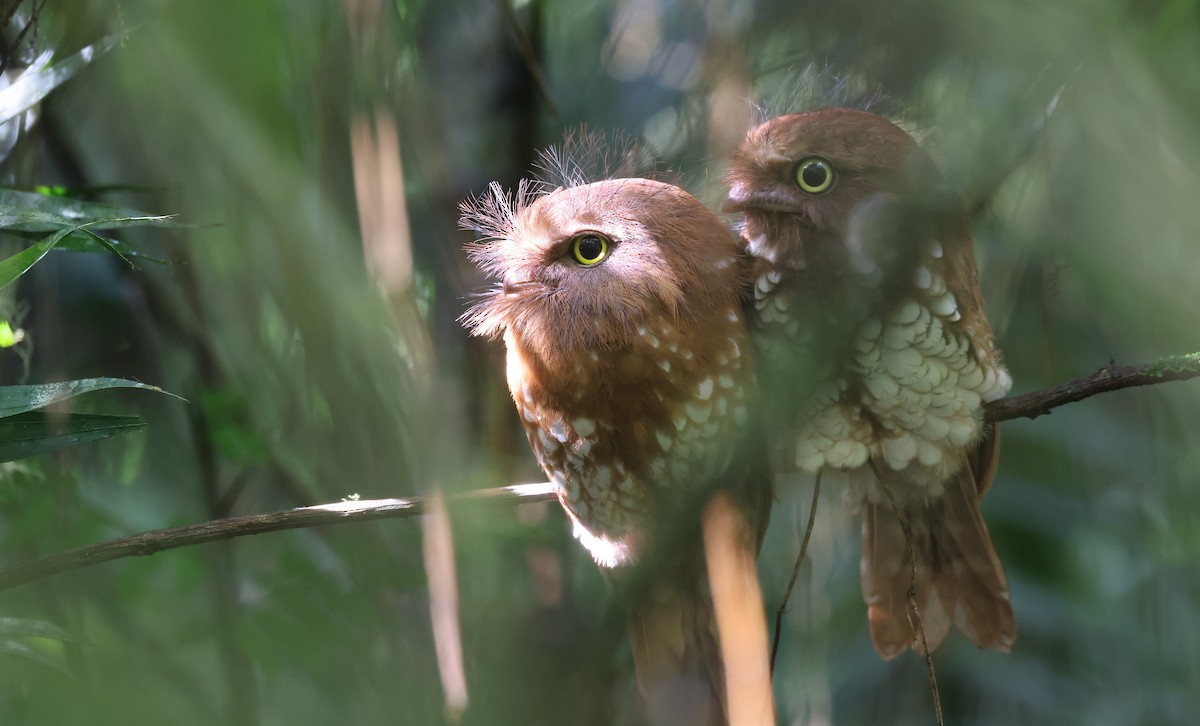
point(810, 184)
point(581, 268)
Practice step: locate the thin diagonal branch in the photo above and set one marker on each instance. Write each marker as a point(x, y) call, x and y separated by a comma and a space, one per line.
point(1109, 378)
point(148, 543)
point(787, 594)
point(1029, 405)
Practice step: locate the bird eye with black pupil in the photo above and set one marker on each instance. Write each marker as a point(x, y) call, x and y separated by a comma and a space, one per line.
point(814, 175)
point(590, 248)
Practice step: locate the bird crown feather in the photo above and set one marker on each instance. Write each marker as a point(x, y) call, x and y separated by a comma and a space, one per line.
point(584, 157)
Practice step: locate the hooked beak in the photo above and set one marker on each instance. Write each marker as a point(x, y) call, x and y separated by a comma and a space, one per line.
point(744, 198)
point(516, 288)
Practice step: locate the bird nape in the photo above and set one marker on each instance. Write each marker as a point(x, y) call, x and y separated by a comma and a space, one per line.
point(627, 359)
point(877, 357)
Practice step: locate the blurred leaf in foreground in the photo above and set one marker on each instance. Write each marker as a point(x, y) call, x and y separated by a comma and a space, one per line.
point(34, 433)
point(20, 399)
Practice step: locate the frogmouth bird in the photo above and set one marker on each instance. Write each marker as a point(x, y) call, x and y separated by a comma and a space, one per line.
point(874, 348)
point(627, 359)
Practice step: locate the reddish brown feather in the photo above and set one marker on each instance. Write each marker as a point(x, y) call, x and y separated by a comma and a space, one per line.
point(633, 379)
point(959, 578)
point(828, 267)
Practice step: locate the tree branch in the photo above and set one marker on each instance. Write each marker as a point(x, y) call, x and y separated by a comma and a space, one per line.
point(148, 543)
point(1109, 378)
point(1028, 405)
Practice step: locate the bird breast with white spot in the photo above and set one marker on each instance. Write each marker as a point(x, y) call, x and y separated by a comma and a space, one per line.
point(910, 394)
point(613, 452)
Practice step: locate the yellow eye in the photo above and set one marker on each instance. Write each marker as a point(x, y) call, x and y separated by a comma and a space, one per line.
point(589, 248)
point(814, 175)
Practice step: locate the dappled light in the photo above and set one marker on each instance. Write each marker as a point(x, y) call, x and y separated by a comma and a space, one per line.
point(256, 469)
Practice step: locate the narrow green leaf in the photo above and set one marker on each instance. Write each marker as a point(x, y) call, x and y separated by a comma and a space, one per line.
point(21, 399)
point(34, 433)
point(78, 242)
point(23, 627)
point(33, 212)
point(18, 264)
point(107, 247)
point(8, 336)
point(15, 266)
point(88, 241)
point(13, 647)
point(31, 219)
point(87, 192)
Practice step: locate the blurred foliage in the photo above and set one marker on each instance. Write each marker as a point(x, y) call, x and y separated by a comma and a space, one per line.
point(24, 431)
point(1074, 125)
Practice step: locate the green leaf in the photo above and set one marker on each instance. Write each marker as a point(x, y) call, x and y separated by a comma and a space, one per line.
point(13, 647)
point(22, 627)
point(90, 191)
point(8, 337)
point(33, 212)
point(34, 433)
point(21, 399)
point(42, 77)
point(105, 245)
point(15, 266)
point(86, 242)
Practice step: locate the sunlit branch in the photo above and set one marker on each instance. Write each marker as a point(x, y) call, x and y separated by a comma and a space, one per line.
point(148, 543)
point(1109, 378)
point(1028, 405)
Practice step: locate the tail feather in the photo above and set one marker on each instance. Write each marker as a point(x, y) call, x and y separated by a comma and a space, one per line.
point(677, 656)
point(959, 579)
point(888, 575)
point(984, 611)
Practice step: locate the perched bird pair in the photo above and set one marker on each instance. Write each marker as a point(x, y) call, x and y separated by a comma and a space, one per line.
point(644, 387)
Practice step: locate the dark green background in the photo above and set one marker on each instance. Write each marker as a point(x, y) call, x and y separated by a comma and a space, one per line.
point(1076, 124)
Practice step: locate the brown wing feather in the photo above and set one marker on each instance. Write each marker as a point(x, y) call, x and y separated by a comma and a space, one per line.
point(962, 280)
point(985, 458)
point(983, 611)
point(959, 579)
point(887, 575)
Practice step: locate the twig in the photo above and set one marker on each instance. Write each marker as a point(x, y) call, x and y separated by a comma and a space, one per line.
point(912, 594)
point(16, 46)
point(812, 518)
point(1109, 378)
point(148, 543)
point(1030, 405)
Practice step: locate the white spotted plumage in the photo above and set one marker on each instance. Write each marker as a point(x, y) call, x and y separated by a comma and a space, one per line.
point(920, 392)
point(643, 341)
point(878, 358)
